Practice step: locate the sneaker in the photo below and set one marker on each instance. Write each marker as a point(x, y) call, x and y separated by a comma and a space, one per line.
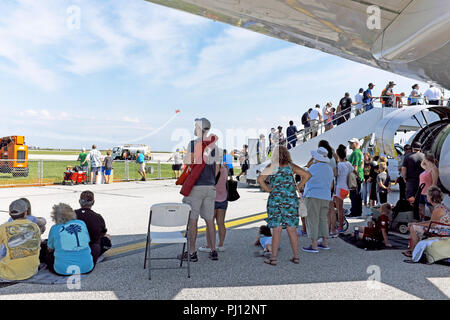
point(310, 249)
point(334, 235)
point(193, 256)
point(204, 249)
point(213, 255)
point(221, 249)
point(321, 246)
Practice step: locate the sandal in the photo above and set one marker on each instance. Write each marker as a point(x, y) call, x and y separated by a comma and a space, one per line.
point(271, 261)
point(295, 260)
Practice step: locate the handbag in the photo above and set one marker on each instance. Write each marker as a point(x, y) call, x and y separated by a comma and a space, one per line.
point(232, 192)
point(302, 211)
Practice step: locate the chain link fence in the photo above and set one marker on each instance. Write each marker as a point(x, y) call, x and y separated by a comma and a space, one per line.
point(47, 172)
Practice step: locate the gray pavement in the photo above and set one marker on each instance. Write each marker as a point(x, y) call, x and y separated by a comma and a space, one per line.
point(340, 273)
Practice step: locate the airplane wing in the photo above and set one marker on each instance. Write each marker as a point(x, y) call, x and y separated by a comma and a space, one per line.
point(407, 37)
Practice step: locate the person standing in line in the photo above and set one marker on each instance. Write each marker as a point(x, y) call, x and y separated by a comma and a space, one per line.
point(356, 159)
point(383, 183)
point(415, 96)
point(228, 160)
point(96, 163)
point(83, 158)
point(291, 134)
point(388, 95)
point(342, 190)
point(345, 108)
point(399, 100)
point(333, 164)
point(220, 209)
point(306, 121)
point(108, 161)
point(368, 98)
point(282, 204)
point(178, 162)
point(359, 102)
point(411, 170)
point(271, 141)
point(366, 185)
point(243, 160)
point(203, 195)
point(430, 178)
point(279, 138)
point(433, 96)
point(260, 146)
point(317, 200)
point(315, 119)
point(140, 159)
point(328, 116)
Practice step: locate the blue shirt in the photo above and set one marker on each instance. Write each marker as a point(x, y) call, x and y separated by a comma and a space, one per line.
point(228, 159)
point(366, 93)
point(140, 158)
point(71, 244)
point(291, 133)
point(319, 185)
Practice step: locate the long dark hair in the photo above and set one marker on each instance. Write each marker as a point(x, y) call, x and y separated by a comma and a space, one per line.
point(265, 230)
point(326, 145)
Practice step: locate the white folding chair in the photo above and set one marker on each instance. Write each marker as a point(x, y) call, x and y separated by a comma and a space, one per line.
point(168, 215)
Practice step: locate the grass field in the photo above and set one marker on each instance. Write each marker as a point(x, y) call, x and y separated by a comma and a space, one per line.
point(53, 172)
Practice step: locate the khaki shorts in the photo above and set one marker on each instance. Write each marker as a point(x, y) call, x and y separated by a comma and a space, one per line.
point(142, 167)
point(202, 200)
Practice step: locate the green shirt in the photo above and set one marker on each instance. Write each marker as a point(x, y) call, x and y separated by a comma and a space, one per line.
point(82, 156)
point(356, 159)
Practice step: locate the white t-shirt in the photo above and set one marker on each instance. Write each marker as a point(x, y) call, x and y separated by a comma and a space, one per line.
point(359, 99)
point(177, 158)
point(343, 169)
point(314, 114)
point(433, 94)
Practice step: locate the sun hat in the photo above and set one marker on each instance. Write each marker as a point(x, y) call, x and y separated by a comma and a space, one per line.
point(320, 154)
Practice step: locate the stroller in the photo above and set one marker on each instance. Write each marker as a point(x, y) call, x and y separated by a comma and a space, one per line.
point(74, 176)
point(404, 213)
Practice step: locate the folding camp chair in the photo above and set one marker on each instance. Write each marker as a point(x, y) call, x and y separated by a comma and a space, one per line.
point(168, 215)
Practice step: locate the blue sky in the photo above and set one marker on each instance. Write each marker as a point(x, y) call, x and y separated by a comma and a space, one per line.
point(131, 64)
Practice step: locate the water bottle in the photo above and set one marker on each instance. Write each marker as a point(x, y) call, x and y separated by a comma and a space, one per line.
point(356, 233)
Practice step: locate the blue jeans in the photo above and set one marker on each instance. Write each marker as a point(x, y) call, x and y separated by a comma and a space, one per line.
point(365, 190)
point(369, 106)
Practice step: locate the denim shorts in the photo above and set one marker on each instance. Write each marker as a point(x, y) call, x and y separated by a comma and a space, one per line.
point(221, 205)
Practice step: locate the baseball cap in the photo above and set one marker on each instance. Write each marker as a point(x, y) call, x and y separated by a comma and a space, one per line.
point(17, 207)
point(352, 140)
point(392, 83)
point(371, 84)
point(203, 123)
point(416, 145)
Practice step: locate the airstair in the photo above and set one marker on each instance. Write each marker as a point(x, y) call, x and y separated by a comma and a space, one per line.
point(360, 126)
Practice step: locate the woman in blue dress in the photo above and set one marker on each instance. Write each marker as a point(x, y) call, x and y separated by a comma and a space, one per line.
point(282, 205)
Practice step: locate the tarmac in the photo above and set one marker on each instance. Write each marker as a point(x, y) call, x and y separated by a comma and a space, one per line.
point(342, 273)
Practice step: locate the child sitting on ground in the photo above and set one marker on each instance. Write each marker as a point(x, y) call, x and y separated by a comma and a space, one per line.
point(264, 239)
point(378, 231)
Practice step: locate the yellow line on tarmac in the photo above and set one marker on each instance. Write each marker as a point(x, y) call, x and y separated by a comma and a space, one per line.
point(141, 245)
